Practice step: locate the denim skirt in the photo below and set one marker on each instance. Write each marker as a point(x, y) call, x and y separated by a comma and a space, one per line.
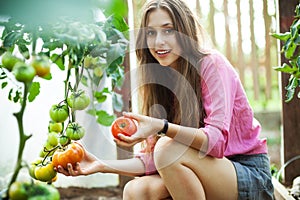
point(254, 177)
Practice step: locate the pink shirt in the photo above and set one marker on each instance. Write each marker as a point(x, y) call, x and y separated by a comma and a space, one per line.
point(229, 124)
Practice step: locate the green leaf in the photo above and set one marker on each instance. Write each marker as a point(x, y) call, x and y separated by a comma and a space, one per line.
point(101, 96)
point(282, 36)
point(285, 68)
point(117, 102)
point(84, 81)
point(24, 51)
point(34, 91)
point(17, 96)
point(290, 88)
point(58, 60)
point(11, 38)
point(115, 54)
point(3, 85)
point(91, 112)
point(104, 118)
point(289, 51)
point(119, 22)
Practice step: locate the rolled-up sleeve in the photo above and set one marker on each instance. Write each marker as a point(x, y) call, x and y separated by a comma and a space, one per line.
point(218, 80)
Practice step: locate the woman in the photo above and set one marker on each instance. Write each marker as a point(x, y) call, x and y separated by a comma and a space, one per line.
point(192, 96)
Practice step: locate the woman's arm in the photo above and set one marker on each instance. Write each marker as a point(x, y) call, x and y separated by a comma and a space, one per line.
point(147, 126)
point(90, 164)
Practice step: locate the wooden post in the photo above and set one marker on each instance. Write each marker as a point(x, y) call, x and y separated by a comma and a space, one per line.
point(291, 110)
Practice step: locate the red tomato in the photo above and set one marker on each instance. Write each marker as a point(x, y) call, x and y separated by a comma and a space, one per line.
point(72, 154)
point(123, 125)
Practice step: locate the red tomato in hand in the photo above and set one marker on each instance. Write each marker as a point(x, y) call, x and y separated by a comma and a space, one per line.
point(72, 154)
point(123, 125)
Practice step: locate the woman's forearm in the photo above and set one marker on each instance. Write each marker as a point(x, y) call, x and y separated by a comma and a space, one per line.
point(127, 167)
point(192, 137)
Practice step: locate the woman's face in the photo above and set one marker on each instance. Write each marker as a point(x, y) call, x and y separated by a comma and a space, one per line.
point(161, 38)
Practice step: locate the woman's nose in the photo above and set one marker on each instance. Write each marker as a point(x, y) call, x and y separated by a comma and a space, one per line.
point(160, 39)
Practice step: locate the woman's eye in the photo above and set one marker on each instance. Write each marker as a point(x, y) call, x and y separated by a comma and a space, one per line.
point(169, 31)
point(150, 33)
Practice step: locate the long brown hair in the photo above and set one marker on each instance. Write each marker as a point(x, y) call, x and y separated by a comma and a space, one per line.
point(169, 93)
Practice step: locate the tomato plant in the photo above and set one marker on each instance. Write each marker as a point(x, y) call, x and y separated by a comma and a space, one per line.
point(30, 41)
point(78, 100)
point(73, 153)
point(123, 125)
point(59, 112)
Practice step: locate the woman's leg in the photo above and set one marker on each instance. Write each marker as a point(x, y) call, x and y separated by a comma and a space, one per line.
point(188, 175)
point(146, 187)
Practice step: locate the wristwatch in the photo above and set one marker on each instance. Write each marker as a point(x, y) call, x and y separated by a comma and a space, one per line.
point(164, 130)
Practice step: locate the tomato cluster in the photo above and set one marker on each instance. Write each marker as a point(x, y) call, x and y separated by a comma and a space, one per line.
point(25, 72)
point(60, 148)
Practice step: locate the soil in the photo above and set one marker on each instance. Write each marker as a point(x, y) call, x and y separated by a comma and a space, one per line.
point(78, 193)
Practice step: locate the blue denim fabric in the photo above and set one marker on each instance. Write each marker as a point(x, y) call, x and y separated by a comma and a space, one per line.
point(254, 177)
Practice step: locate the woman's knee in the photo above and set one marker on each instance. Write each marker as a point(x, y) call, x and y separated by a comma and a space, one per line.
point(167, 152)
point(136, 189)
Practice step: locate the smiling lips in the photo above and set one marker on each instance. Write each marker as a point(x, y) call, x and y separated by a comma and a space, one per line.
point(162, 53)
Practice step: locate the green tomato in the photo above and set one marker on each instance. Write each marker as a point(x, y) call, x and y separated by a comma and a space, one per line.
point(52, 139)
point(45, 173)
point(9, 61)
point(59, 113)
point(33, 165)
point(23, 72)
point(78, 100)
point(41, 65)
point(74, 131)
point(18, 191)
point(55, 127)
point(43, 191)
point(98, 71)
point(64, 140)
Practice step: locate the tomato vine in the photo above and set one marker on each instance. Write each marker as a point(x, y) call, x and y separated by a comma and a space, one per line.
point(70, 43)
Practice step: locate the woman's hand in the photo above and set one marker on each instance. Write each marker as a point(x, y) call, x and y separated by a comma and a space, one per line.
point(147, 126)
point(88, 165)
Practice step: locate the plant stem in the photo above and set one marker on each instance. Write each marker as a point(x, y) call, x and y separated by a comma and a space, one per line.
point(22, 136)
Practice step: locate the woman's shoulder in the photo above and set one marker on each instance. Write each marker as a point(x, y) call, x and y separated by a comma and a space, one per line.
point(214, 60)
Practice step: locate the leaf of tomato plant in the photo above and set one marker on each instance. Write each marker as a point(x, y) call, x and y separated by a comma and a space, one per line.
point(11, 38)
point(117, 102)
point(3, 75)
point(91, 112)
point(34, 91)
point(84, 80)
point(3, 85)
point(58, 60)
point(104, 118)
point(24, 50)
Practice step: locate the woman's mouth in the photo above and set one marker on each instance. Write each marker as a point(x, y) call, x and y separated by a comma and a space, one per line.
point(162, 53)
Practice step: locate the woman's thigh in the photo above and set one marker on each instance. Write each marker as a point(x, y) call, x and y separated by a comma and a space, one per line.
point(217, 176)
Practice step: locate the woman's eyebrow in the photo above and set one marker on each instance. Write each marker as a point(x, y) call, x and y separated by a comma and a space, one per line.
point(163, 25)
